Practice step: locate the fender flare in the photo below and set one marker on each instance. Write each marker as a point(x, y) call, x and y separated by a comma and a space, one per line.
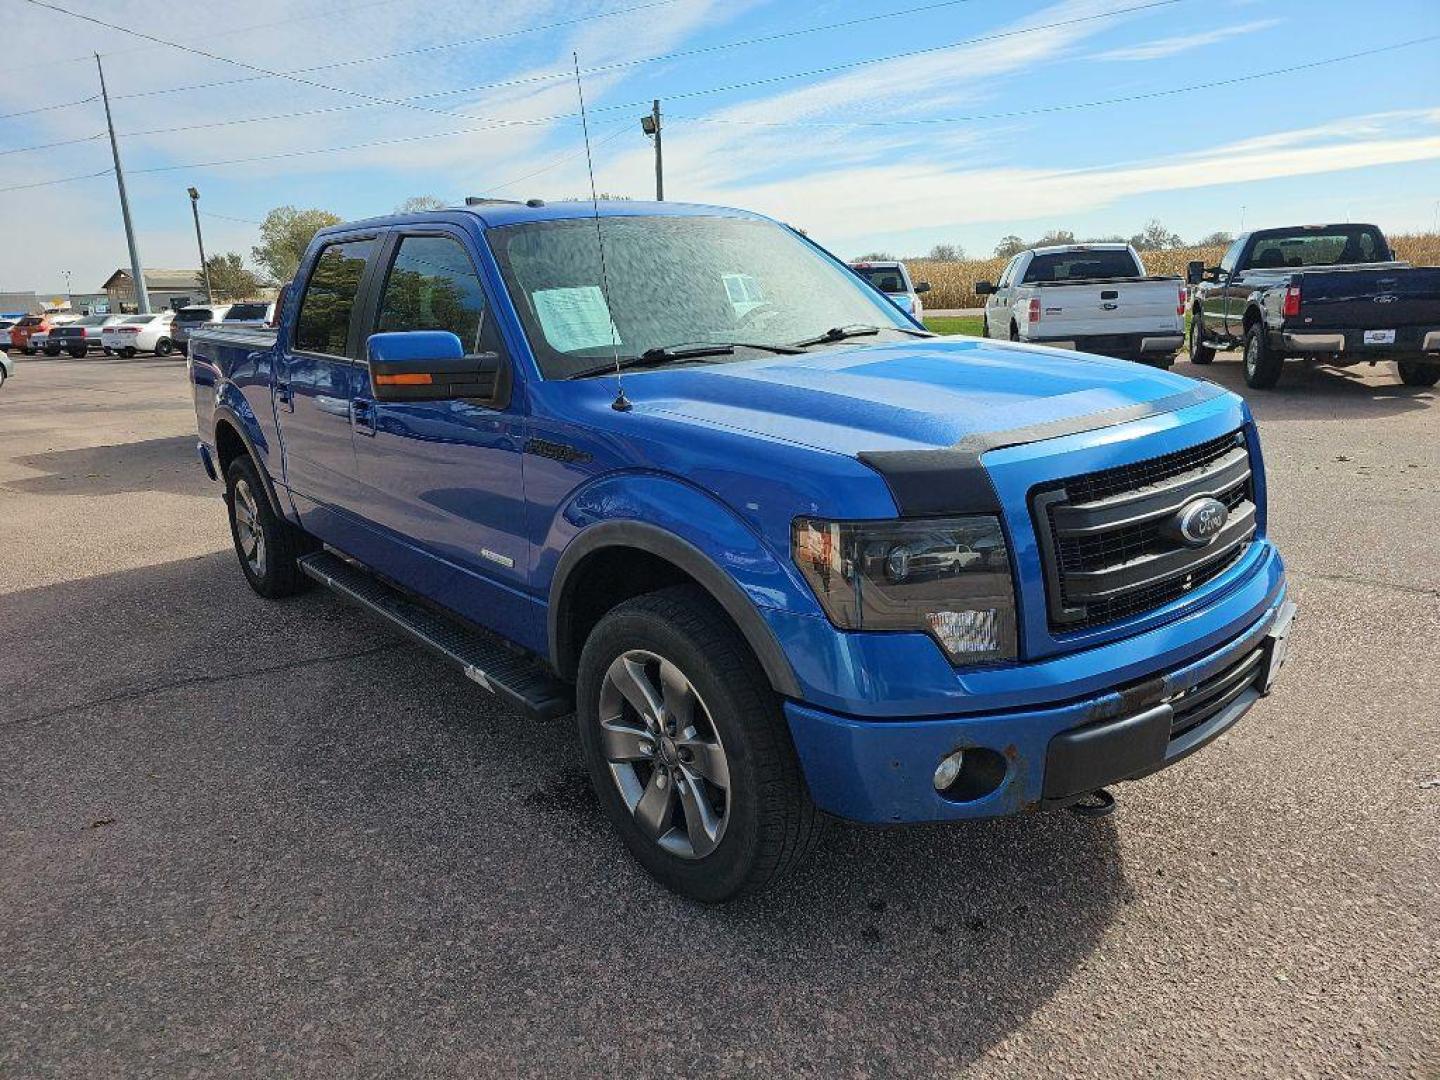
point(227, 416)
point(651, 538)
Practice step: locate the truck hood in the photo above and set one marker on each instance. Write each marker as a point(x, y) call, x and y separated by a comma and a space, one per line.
point(910, 395)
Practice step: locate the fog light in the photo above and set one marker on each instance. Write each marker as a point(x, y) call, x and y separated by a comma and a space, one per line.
point(948, 771)
point(966, 632)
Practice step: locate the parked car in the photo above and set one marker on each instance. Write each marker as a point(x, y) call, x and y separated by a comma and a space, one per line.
point(5, 325)
point(30, 334)
point(1332, 294)
point(1095, 298)
point(893, 279)
point(693, 522)
point(192, 318)
point(7, 365)
point(78, 337)
point(140, 333)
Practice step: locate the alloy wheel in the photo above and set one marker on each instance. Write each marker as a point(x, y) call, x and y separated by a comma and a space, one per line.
point(664, 754)
point(249, 533)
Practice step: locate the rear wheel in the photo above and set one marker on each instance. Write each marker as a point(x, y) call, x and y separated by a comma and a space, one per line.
point(1262, 363)
point(108, 351)
point(127, 352)
point(52, 352)
point(688, 750)
point(1014, 332)
point(28, 351)
point(1416, 373)
point(76, 354)
point(267, 545)
point(1200, 353)
point(164, 347)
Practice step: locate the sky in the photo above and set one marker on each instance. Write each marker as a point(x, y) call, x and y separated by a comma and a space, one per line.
point(894, 125)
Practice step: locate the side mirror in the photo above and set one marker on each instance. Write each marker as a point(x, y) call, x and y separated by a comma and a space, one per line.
point(921, 286)
point(428, 365)
point(984, 288)
point(1194, 272)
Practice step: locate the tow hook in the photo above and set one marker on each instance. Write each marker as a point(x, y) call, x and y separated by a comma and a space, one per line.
point(1099, 803)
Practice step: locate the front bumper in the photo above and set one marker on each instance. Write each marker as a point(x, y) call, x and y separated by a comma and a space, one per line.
point(882, 771)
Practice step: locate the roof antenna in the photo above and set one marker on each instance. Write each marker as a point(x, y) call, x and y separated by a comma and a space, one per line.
point(621, 402)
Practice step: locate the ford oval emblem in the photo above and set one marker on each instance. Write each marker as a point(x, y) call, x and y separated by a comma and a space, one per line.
point(1199, 521)
point(1386, 298)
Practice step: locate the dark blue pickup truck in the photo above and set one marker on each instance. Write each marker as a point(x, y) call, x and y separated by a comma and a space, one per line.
point(783, 553)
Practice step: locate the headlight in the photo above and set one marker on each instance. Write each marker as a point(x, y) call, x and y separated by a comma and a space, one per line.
point(948, 577)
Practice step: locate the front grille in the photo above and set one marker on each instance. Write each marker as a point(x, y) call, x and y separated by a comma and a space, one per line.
point(1105, 539)
point(1210, 697)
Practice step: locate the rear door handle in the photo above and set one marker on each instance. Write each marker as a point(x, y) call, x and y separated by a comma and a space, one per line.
point(362, 416)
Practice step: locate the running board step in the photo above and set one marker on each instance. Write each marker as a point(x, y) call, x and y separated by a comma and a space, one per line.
point(517, 678)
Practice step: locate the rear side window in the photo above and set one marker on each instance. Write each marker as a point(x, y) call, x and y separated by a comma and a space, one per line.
point(324, 322)
point(247, 311)
point(195, 315)
point(433, 286)
point(1080, 266)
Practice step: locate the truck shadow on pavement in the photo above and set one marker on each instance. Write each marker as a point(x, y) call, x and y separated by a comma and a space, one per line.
point(163, 465)
point(1313, 392)
point(275, 837)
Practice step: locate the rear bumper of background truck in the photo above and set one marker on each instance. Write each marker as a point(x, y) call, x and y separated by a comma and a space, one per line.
point(1410, 343)
point(1121, 346)
point(883, 771)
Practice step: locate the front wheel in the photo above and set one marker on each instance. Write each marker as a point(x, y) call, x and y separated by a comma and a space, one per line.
point(1415, 373)
point(1200, 353)
point(266, 544)
point(1262, 363)
point(688, 749)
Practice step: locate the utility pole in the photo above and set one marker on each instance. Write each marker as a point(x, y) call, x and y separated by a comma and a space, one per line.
point(142, 294)
point(651, 126)
point(204, 266)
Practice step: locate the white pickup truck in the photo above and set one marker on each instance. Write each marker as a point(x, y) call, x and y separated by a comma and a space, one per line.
point(1093, 298)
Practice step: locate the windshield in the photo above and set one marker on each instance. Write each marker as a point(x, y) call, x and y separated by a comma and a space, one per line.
point(1081, 266)
point(194, 315)
point(1335, 246)
point(888, 279)
point(246, 311)
point(672, 280)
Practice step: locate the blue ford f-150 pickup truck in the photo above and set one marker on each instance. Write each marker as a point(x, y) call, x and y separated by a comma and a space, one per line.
point(782, 552)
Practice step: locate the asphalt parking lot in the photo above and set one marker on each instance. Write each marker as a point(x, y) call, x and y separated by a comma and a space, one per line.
point(254, 838)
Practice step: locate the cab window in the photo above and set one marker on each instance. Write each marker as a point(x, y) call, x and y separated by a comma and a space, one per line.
point(432, 285)
point(324, 322)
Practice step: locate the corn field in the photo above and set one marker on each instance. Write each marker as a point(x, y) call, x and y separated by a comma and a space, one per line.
point(953, 283)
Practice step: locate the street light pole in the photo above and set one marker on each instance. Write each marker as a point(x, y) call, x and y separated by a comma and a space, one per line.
point(142, 294)
point(651, 126)
point(204, 265)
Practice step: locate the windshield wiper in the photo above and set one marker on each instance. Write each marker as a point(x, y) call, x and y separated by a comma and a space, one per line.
point(840, 333)
point(669, 354)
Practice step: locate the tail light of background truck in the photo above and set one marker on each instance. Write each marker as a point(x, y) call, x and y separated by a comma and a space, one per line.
point(1292, 301)
point(1182, 300)
point(1034, 309)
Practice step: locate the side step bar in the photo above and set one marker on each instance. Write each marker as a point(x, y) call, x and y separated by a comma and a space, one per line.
point(517, 678)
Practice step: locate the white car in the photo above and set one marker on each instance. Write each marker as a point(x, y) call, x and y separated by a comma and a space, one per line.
point(893, 279)
point(1093, 298)
point(7, 364)
point(140, 333)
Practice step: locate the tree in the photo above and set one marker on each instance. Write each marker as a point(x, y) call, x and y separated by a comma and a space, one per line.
point(284, 235)
point(1220, 238)
point(1155, 237)
point(420, 202)
point(875, 256)
point(947, 253)
point(1055, 236)
point(1010, 245)
point(230, 278)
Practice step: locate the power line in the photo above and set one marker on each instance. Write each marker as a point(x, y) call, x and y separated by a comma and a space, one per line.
point(525, 121)
point(50, 108)
point(57, 180)
point(52, 145)
point(1070, 106)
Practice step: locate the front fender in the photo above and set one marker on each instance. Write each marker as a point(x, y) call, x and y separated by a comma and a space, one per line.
point(696, 532)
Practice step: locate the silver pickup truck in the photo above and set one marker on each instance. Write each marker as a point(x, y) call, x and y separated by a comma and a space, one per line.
point(1094, 298)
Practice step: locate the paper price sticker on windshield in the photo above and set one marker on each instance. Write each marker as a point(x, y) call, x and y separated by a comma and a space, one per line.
point(575, 319)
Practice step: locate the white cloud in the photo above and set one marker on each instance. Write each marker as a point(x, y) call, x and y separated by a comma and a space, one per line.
point(1171, 46)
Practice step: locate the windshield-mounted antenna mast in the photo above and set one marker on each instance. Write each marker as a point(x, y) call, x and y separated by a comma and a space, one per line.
point(621, 402)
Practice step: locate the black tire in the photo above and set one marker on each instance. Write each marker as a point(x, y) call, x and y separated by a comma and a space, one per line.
point(275, 573)
point(76, 354)
point(1262, 363)
point(127, 352)
point(769, 822)
point(52, 352)
point(184, 348)
point(108, 351)
point(985, 325)
point(1014, 332)
point(164, 347)
point(1416, 373)
point(1199, 353)
point(28, 351)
